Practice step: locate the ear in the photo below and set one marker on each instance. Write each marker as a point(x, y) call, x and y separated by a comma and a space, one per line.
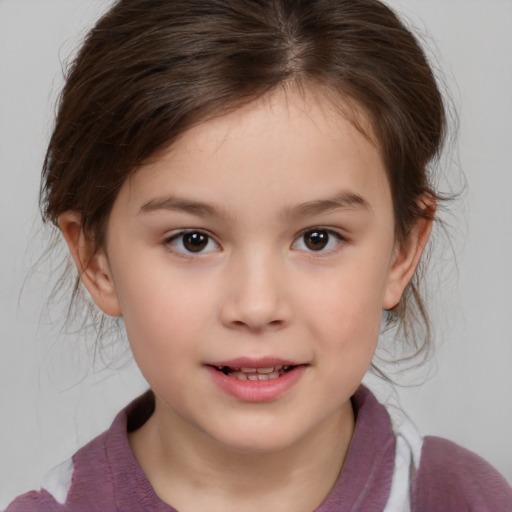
point(407, 256)
point(91, 262)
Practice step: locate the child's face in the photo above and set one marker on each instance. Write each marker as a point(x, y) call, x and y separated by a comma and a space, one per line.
point(287, 260)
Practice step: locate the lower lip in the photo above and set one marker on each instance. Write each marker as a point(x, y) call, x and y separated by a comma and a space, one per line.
point(257, 390)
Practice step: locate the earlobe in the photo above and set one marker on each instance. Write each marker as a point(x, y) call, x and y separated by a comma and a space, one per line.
point(91, 262)
point(406, 259)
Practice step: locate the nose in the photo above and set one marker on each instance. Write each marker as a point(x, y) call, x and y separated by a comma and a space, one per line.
point(255, 296)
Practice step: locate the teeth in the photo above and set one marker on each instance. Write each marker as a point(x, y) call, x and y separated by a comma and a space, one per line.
point(261, 370)
point(265, 370)
point(254, 374)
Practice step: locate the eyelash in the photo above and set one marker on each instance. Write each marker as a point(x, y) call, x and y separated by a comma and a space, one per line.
point(331, 235)
point(179, 239)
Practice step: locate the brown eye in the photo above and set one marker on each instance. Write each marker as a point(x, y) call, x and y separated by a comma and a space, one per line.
point(195, 242)
point(192, 242)
point(316, 240)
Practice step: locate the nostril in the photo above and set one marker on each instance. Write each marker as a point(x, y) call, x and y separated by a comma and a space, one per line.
point(254, 312)
point(258, 326)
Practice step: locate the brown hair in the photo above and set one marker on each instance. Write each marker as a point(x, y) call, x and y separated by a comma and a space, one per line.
point(151, 69)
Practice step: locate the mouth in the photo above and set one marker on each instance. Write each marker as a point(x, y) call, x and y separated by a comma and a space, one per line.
point(255, 374)
point(256, 380)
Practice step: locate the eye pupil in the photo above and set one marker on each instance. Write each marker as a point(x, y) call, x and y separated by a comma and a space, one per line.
point(316, 240)
point(195, 242)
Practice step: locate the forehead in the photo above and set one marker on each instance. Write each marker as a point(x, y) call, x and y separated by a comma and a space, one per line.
point(303, 108)
point(289, 144)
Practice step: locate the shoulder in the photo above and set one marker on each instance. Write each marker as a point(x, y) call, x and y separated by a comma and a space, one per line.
point(83, 477)
point(454, 478)
point(103, 475)
point(34, 501)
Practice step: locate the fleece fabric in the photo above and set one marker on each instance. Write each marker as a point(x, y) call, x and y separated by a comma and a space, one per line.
point(388, 468)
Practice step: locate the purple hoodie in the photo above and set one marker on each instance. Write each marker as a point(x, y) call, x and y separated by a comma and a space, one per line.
point(388, 468)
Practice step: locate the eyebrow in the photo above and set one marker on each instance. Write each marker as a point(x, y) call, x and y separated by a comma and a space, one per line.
point(196, 208)
point(343, 200)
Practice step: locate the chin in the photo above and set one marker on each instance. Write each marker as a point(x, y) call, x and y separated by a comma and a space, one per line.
point(257, 445)
point(256, 438)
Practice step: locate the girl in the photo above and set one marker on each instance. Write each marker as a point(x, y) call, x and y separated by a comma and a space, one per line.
point(246, 184)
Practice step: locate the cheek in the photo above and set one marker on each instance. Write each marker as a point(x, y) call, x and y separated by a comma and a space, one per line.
point(345, 311)
point(346, 329)
point(163, 330)
point(163, 311)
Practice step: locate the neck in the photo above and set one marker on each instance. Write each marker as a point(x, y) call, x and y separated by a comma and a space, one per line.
point(191, 471)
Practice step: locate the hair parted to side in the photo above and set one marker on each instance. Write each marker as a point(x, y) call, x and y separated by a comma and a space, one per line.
point(151, 69)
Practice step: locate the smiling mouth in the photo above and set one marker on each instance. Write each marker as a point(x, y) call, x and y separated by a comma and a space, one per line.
point(270, 373)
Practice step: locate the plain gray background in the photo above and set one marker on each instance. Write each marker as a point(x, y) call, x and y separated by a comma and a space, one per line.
point(49, 408)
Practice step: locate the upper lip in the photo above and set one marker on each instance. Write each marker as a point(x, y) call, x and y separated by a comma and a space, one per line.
point(250, 362)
